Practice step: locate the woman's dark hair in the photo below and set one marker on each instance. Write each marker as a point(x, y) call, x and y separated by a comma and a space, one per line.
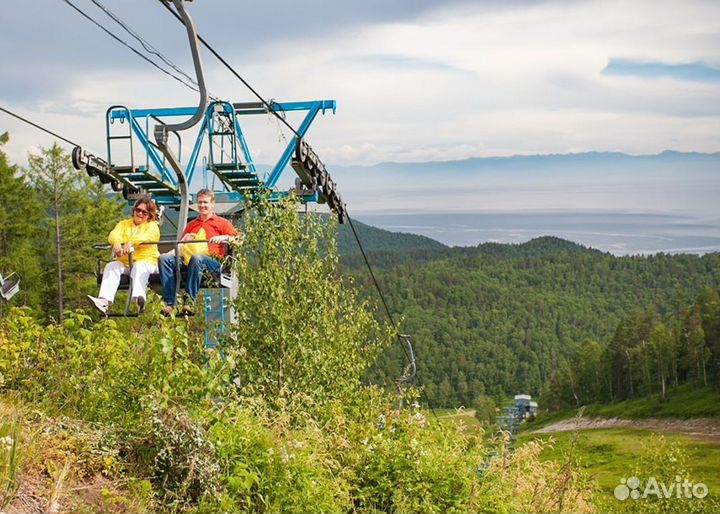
point(149, 205)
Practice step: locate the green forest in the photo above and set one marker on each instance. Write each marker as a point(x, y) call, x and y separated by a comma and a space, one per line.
point(549, 318)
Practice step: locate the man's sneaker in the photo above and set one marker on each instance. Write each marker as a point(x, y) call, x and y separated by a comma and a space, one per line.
point(167, 310)
point(140, 303)
point(187, 310)
point(99, 303)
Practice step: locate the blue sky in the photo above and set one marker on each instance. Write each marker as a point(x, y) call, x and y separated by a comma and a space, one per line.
point(415, 80)
point(694, 71)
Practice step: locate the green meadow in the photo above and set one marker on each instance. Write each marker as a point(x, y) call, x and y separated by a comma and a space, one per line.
point(609, 454)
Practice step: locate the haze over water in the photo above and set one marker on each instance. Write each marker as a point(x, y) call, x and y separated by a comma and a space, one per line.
point(620, 233)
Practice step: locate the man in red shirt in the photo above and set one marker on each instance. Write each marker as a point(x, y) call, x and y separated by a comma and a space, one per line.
point(217, 230)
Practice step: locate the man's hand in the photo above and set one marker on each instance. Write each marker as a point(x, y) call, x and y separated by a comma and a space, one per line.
point(188, 237)
point(220, 239)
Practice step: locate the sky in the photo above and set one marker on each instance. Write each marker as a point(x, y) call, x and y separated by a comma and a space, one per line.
point(414, 80)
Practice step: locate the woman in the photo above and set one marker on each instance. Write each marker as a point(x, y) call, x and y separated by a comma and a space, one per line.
point(126, 238)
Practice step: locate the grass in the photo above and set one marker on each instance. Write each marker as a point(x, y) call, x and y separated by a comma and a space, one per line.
point(9, 435)
point(609, 454)
point(63, 465)
point(465, 417)
point(687, 401)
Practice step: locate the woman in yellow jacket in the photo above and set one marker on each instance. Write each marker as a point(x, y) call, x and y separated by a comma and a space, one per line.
point(126, 238)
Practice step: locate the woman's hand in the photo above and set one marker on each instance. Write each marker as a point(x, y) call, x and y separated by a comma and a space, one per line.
point(117, 250)
point(128, 248)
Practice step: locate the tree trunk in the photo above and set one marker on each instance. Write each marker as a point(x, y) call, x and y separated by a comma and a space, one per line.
point(632, 392)
point(661, 372)
point(280, 366)
point(59, 265)
point(572, 385)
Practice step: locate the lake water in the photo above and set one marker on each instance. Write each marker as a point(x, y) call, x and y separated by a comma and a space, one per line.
point(620, 233)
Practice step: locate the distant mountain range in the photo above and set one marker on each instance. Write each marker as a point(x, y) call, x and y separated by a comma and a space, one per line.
point(669, 181)
point(533, 162)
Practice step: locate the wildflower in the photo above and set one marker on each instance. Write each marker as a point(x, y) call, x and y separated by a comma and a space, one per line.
point(7, 442)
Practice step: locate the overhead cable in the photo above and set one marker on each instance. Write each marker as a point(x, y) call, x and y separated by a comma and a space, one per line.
point(134, 50)
point(267, 105)
point(411, 358)
point(145, 44)
point(38, 126)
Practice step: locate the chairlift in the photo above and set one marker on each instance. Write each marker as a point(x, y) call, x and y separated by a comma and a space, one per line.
point(9, 286)
point(160, 170)
point(225, 279)
point(410, 370)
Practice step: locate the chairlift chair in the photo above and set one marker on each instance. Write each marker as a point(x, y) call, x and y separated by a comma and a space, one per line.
point(9, 286)
point(225, 279)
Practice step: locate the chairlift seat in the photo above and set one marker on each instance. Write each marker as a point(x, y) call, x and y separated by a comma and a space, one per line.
point(209, 280)
point(9, 286)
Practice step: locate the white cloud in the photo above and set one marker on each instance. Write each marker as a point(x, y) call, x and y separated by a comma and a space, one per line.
point(453, 82)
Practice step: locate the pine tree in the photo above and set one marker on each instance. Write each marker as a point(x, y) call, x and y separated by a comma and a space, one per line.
point(79, 213)
point(20, 214)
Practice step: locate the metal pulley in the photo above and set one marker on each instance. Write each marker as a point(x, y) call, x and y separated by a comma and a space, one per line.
point(79, 158)
point(314, 176)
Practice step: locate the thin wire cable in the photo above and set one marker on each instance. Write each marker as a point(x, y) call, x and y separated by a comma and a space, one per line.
point(377, 286)
point(135, 51)
point(38, 127)
point(149, 48)
point(387, 309)
point(267, 105)
point(145, 44)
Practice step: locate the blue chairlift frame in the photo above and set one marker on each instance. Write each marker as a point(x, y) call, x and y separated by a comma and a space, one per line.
point(154, 157)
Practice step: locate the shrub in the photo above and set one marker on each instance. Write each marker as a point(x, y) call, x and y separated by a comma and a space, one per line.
point(299, 328)
point(184, 463)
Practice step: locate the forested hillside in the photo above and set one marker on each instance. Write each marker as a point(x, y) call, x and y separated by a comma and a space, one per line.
point(499, 319)
point(378, 240)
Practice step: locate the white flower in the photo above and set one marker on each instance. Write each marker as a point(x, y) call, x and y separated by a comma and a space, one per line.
point(7, 442)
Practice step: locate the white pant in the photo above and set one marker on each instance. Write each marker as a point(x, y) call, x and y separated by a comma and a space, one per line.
point(138, 277)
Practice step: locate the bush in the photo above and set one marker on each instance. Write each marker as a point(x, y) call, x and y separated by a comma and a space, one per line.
point(184, 464)
point(299, 327)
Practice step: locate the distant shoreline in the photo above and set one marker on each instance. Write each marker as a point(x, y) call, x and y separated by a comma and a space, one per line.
point(618, 233)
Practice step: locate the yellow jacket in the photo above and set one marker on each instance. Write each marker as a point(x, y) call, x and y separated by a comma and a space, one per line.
point(127, 231)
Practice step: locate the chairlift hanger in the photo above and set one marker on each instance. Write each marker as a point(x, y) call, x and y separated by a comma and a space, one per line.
point(160, 174)
point(9, 286)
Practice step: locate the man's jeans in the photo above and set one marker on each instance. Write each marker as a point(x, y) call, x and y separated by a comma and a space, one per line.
point(198, 265)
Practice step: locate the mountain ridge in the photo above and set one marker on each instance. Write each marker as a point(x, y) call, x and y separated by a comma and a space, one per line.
point(591, 155)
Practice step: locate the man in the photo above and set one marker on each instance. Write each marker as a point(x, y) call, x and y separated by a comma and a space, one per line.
point(207, 226)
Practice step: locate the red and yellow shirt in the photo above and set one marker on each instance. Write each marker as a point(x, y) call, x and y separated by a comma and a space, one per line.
point(213, 226)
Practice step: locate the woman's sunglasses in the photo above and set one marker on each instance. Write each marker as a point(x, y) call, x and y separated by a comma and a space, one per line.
point(141, 212)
